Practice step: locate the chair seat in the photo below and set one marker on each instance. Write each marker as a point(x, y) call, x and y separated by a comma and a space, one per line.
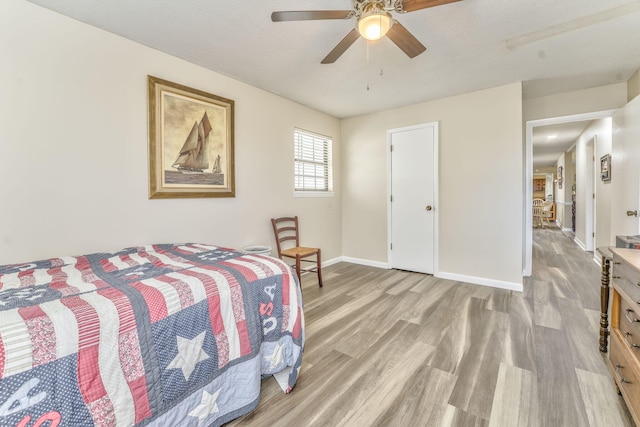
point(301, 251)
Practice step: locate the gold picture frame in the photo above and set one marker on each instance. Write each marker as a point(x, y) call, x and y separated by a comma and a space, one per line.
point(191, 142)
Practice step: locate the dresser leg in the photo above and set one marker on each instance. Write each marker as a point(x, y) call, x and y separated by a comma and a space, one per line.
point(604, 304)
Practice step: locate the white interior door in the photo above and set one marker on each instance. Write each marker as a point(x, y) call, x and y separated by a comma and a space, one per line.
point(413, 199)
point(590, 195)
point(625, 170)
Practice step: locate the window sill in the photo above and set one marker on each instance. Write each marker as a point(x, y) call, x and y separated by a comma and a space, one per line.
point(313, 194)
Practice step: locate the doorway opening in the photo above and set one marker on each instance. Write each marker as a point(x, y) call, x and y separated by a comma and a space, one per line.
point(529, 172)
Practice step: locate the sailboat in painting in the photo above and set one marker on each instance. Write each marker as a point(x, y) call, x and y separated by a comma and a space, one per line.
point(194, 154)
point(216, 165)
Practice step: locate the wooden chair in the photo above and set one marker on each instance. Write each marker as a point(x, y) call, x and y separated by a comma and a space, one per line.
point(538, 205)
point(286, 232)
point(546, 212)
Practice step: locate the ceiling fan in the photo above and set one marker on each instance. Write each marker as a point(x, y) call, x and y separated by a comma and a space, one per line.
point(373, 21)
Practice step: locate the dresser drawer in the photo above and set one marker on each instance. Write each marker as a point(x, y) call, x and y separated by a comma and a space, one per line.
point(625, 373)
point(626, 277)
point(629, 326)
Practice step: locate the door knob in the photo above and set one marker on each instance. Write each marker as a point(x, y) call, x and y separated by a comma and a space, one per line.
point(632, 213)
point(428, 207)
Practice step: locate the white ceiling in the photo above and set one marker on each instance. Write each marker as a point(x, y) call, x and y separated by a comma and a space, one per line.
point(552, 46)
point(550, 141)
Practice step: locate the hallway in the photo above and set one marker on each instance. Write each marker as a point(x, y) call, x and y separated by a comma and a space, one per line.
point(571, 372)
point(396, 348)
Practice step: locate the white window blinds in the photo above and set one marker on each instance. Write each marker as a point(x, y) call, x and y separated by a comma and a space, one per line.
point(312, 162)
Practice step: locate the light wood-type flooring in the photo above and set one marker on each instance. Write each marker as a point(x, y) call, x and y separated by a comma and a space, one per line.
point(395, 348)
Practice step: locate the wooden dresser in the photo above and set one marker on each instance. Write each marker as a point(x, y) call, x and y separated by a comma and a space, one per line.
point(624, 345)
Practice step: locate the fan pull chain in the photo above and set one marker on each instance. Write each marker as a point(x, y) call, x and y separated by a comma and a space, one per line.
point(369, 72)
point(368, 42)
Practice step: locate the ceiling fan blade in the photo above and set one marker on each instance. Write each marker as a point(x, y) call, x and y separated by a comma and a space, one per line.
point(344, 44)
point(306, 15)
point(413, 5)
point(405, 40)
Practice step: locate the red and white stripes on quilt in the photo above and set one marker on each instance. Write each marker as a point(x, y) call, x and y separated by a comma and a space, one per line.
point(98, 315)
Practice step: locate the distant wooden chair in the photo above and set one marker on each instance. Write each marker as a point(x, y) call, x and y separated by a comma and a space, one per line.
point(538, 206)
point(547, 212)
point(287, 236)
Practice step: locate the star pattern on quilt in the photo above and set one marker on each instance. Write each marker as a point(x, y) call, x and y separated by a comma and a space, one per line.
point(276, 357)
point(8, 269)
point(190, 353)
point(215, 255)
point(23, 297)
point(208, 406)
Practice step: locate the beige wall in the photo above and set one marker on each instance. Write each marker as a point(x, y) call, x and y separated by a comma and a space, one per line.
point(562, 196)
point(602, 131)
point(565, 219)
point(560, 193)
point(543, 170)
point(480, 183)
point(599, 98)
point(73, 144)
point(633, 86)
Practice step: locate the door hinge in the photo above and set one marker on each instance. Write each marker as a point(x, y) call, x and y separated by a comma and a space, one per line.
point(391, 198)
point(391, 246)
point(594, 195)
point(593, 234)
point(391, 148)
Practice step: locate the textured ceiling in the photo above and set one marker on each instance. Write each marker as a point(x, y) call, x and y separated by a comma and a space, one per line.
point(551, 46)
point(550, 141)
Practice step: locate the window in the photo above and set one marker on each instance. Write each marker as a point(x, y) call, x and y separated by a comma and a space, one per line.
point(312, 162)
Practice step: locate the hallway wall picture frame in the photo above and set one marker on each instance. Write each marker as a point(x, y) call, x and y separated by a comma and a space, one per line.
point(560, 177)
point(191, 142)
point(605, 167)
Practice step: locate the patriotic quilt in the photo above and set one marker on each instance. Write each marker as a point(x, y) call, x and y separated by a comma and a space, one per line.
point(161, 335)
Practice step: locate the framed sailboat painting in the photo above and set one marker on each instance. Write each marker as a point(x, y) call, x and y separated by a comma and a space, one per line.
point(190, 142)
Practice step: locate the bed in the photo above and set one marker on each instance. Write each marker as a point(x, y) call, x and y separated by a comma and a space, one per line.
point(161, 335)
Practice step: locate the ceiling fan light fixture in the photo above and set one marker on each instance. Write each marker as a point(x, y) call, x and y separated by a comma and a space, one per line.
point(373, 25)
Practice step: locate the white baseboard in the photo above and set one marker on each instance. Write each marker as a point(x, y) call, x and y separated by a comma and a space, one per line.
point(597, 259)
point(366, 262)
point(512, 286)
point(567, 229)
point(579, 243)
point(332, 261)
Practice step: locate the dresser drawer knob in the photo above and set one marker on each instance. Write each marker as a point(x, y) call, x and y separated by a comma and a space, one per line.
point(630, 318)
point(620, 377)
point(616, 277)
point(627, 338)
